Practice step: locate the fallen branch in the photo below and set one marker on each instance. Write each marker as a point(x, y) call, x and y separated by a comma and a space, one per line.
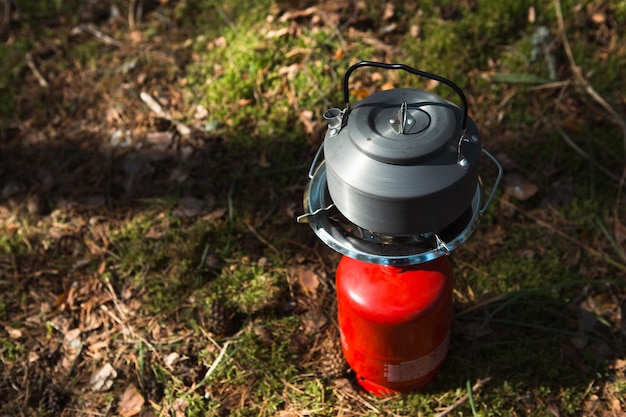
point(476, 387)
point(31, 64)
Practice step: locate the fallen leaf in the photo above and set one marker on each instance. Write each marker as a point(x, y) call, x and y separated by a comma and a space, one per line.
point(343, 384)
point(34, 138)
point(13, 333)
point(201, 112)
point(598, 18)
point(263, 161)
point(215, 214)
point(153, 233)
point(309, 281)
point(171, 359)
point(159, 139)
point(360, 93)
point(103, 379)
point(72, 335)
point(430, 85)
point(102, 268)
point(388, 11)
point(520, 188)
point(33, 357)
point(313, 321)
point(310, 125)
point(620, 364)
point(262, 333)
point(189, 207)
point(339, 54)
point(130, 402)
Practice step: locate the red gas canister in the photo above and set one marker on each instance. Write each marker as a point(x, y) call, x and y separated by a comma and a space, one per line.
point(394, 321)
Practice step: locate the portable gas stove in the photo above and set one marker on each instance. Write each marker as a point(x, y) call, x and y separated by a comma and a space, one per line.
point(395, 189)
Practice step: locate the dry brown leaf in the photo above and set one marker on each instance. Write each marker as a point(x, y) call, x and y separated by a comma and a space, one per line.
point(102, 267)
point(153, 233)
point(309, 280)
point(306, 118)
point(620, 364)
point(72, 335)
point(616, 406)
point(520, 188)
point(130, 402)
point(598, 18)
point(313, 321)
point(263, 161)
point(430, 85)
point(160, 139)
point(215, 214)
point(388, 11)
point(189, 207)
point(360, 93)
point(33, 357)
point(136, 37)
point(13, 333)
point(387, 86)
point(103, 379)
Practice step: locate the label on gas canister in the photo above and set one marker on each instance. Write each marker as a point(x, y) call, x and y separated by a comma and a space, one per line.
point(417, 368)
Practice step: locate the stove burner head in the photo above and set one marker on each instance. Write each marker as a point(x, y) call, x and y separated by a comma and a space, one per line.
point(356, 242)
point(422, 241)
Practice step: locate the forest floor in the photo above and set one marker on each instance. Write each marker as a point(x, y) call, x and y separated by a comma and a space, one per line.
point(153, 159)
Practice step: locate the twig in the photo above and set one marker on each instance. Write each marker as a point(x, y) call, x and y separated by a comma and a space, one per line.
point(585, 155)
point(212, 368)
point(6, 16)
point(132, 9)
point(587, 248)
point(106, 39)
point(31, 64)
point(262, 239)
point(182, 128)
point(580, 78)
point(598, 98)
point(477, 386)
point(122, 322)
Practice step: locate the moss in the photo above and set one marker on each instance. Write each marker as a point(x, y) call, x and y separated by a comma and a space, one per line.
point(10, 350)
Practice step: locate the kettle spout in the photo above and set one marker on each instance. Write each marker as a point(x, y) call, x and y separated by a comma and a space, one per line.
point(335, 118)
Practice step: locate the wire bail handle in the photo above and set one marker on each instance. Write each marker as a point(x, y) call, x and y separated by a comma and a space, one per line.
point(456, 88)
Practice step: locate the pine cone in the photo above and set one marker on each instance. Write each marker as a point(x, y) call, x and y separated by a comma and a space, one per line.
point(52, 399)
point(221, 318)
point(332, 363)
